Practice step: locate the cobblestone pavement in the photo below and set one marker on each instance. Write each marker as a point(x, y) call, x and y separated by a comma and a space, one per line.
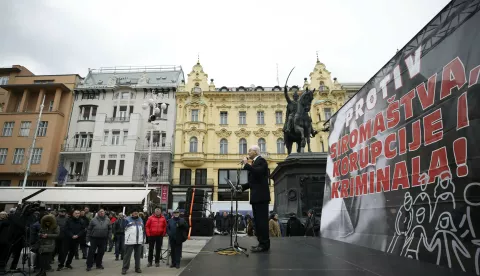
point(112, 267)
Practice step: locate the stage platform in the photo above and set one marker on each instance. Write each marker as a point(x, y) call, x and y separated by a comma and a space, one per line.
point(306, 256)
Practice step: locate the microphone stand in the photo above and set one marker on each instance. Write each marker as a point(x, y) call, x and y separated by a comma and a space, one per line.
point(234, 246)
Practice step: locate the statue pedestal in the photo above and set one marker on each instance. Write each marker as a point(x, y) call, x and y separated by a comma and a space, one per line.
point(299, 184)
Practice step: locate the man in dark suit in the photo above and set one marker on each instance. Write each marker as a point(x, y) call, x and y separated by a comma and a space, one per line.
point(257, 168)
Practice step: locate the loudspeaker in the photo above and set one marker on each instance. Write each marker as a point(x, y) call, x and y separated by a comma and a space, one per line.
point(198, 214)
point(202, 227)
point(195, 207)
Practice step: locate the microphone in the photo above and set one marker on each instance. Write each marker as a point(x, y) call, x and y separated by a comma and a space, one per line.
point(241, 161)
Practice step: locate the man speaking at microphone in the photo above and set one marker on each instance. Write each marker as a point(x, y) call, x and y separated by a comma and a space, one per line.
point(259, 195)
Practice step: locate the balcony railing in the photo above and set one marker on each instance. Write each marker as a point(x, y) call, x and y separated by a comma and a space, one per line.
point(73, 148)
point(193, 182)
point(117, 119)
point(155, 178)
point(76, 178)
point(156, 147)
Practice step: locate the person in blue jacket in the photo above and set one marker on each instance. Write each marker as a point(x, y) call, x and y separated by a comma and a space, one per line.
point(177, 230)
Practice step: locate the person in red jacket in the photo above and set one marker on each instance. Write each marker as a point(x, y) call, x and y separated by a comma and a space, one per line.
point(156, 229)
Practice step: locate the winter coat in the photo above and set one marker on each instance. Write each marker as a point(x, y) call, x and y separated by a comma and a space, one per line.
point(312, 227)
point(119, 227)
point(257, 181)
point(99, 228)
point(134, 231)
point(295, 227)
point(177, 230)
point(4, 225)
point(156, 226)
point(274, 228)
point(61, 223)
point(74, 227)
point(34, 230)
point(225, 224)
point(47, 244)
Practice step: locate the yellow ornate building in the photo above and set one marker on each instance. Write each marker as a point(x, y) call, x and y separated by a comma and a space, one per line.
point(215, 127)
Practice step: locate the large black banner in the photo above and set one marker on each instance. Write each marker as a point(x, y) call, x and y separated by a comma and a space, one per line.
point(403, 174)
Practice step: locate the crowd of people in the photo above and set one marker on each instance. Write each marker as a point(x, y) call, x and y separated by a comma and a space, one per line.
point(65, 234)
point(224, 223)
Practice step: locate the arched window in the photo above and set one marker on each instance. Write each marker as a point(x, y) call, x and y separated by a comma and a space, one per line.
point(193, 144)
point(223, 146)
point(262, 145)
point(280, 146)
point(242, 145)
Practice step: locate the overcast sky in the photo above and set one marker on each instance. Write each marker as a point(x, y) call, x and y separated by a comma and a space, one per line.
point(239, 42)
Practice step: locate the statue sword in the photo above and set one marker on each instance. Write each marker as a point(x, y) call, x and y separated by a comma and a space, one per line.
point(289, 76)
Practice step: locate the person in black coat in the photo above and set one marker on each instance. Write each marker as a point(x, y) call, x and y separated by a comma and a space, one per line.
point(73, 233)
point(259, 195)
point(4, 242)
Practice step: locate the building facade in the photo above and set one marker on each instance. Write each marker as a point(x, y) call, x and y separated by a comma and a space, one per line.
point(19, 122)
point(216, 126)
point(5, 74)
point(109, 135)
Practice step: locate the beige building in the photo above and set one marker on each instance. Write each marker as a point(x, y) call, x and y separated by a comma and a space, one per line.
point(215, 126)
point(18, 122)
point(7, 73)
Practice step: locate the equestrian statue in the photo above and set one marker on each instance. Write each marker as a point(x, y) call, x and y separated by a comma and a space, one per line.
point(298, 123)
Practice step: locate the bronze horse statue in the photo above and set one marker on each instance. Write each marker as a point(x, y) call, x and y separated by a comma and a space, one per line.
point(300, 129)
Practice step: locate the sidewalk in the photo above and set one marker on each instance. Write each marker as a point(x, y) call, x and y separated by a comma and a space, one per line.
point(190, 249)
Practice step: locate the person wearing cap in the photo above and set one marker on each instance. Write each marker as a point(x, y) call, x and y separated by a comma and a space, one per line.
point(60, 241)
point(134, 240)
point(177, 230)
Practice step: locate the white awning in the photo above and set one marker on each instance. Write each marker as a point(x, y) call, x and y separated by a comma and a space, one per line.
point(14, 194)
point(91, 196)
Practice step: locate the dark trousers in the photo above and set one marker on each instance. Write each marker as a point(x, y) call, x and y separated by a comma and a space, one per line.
point(59, 248)
point(96, 244)
point(4, 250)
point(260, 217)
point(119, 245)
point(15, 252)
point(84, 248)
point(157, 243)
point(111, 243)
point(70, 247)
point(175, 252)
point(137, 252)
point(44, 260)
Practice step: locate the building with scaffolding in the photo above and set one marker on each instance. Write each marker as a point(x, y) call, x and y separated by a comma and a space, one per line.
point(109, 134)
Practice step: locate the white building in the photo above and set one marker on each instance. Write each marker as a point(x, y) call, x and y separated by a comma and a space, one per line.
point(109, 132)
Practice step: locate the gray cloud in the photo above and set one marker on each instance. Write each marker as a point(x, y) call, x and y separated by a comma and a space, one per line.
point(239, 43)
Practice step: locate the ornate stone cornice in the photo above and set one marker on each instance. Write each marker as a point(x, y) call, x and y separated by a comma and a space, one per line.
point(223, 133)
point(193, 131)
point(278, 132)
point(261, 133)
point(242, 106)
point(279, 106)
point(260, 106)
point(224, 106)
point(243, 133)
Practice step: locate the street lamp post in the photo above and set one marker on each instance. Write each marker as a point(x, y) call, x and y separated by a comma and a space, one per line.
point(157, 109)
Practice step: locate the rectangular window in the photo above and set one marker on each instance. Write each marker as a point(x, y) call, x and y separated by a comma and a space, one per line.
point(5, 183)
point(115, 137)
point(125, 95)
point(3, 155)
point(25, 128)
point(114, 112)
point(223, 118)
point(83, 140)
point(37, 155)
point(242, 118)
point(125, 136)
point(121, 166)
point(165, 111)
point(154, 168)
point(185, 177)
point(105, 137)
point(18, 156)
point(50, 106)
point(42, 129)
point(328, 113)
point(232, 176)
point(123, 112)
point(279, 117)
point(78, 168)
point(164, 139)
point(160, 169)
point(34, 183)
point(111, 167)
point(260, 118)
point(3, 80)
point(194, 115)
point(8, 128)
point(100, 167)
point(201, 177)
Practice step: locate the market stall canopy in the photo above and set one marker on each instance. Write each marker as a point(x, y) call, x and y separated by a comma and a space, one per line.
point(91, 196)
point(14, 194)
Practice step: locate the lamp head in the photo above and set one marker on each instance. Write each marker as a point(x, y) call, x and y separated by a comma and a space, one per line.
point(163, 106)
point(157, 110)
point(151, 101)
point(145, 106)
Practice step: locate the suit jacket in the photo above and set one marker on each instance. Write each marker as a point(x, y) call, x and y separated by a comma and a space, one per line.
point(257, 181)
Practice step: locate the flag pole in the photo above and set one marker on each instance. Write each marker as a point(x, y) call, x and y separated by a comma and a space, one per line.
point(27, 172)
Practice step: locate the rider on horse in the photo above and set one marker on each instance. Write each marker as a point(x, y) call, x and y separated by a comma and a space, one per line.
point(291, 110)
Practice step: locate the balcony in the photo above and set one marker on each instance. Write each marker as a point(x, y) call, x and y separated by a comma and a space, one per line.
point(163, 178)
point(77, 146)
point(156, 147)
point(193, 159)
point(117, 119)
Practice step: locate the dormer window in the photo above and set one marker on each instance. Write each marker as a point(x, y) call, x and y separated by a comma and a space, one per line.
point(241, 88)
point(224, 89)
point(277, 88)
